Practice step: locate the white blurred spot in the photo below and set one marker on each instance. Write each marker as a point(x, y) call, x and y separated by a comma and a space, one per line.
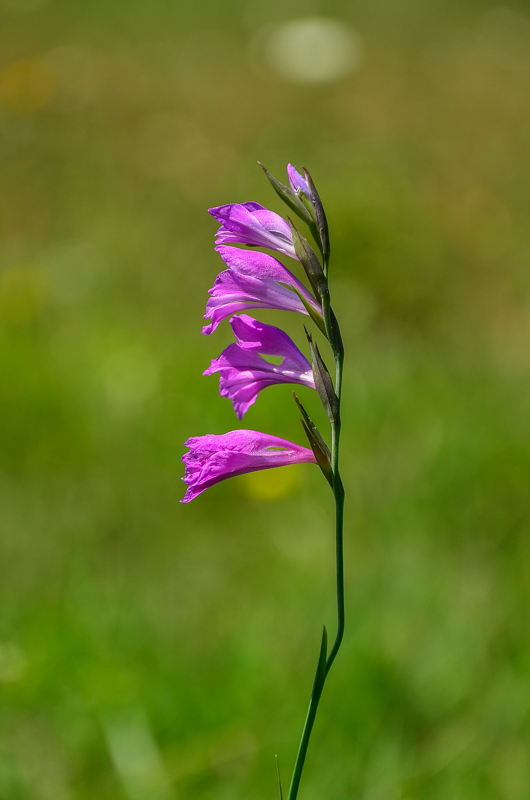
point(313, 50)
point(72, 271)
point(130, 376)
point(505, 38)
point(12, 662)
point(136, 757)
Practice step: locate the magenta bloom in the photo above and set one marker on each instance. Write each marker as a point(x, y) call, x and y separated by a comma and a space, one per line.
point(297, 181)
point(254, 280)
point(214, 458)
point(252, 224)
point(243, 373)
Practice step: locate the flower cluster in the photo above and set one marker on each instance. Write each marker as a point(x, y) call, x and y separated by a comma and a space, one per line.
point(254, 279)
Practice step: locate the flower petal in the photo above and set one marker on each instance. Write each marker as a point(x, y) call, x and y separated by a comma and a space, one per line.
point(252, 224)
point(251, 334)
point(243, 373)
point(297, 181)
point(213, 458)
point(233, 292)
point(254, 280)
point(265, 267)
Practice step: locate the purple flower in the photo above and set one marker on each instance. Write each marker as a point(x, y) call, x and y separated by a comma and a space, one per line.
point(297, 181)
point(244, 373)
point(214, 458)
point(254, 280)
point(252, 224)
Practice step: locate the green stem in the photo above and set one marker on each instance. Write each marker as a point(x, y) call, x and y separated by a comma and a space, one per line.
point(308, 727)
point(338, 492)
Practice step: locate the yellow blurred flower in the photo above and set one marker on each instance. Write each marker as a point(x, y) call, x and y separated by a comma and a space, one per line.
point(272, 484)
point(27, 86)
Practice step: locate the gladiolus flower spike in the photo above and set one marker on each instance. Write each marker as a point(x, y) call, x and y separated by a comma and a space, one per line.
point(258, 280)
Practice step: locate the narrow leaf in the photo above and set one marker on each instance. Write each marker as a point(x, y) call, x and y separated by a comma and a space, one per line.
point(336, 332)
point(279, 779)
point(323, 382)
point(316, 442)
point(314, 430)
point(322, 461)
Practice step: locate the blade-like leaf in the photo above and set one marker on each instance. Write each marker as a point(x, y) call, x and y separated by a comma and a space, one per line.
point(323, 382)
point(336, 333)
point(316, 442)
point(279, 779)
point(314, 430)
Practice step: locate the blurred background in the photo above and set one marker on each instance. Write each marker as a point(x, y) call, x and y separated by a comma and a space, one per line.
point(155, 651)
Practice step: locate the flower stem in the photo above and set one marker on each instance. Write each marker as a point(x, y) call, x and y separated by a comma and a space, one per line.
point(338, 492)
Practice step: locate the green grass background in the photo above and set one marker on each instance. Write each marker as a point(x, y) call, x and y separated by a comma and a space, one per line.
point(155, 651)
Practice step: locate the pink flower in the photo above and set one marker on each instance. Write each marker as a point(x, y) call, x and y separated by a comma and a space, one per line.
point(254, 280)
point(252, 224)
point(213, 458)
point(244, 373)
